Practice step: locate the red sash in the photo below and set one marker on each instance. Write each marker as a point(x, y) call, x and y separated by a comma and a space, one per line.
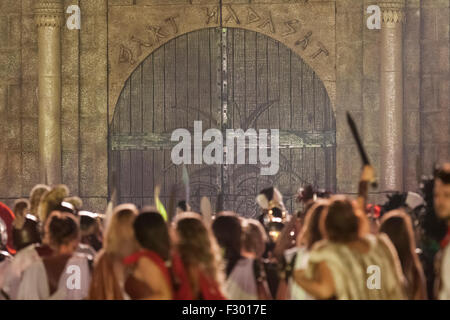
point(153, 256)
point(177, 277)
point(209, 289)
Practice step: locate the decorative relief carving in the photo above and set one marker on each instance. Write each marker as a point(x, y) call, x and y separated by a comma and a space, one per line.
point(392, 11)
point(290, 26)
point(321, 49)
point(305, 41)
point(126, 55)
point(393, 16)
point(213, 14)
point(155, 37)
point(252, 16)
point(140, 43)
point(157, 34)
point(293, 25)
point(265, 22)
point(171, 21)
point(231, 15)
point(268, 22)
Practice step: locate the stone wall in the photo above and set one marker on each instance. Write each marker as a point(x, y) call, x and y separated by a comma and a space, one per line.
point(435, 84)
point(19, 157)
point(357, 90)
point(426, 89)
point(83, 107)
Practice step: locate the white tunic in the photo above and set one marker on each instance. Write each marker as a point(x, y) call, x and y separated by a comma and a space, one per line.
point(73, 283)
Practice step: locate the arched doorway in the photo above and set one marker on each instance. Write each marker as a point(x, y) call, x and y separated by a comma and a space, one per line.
point(265, 85)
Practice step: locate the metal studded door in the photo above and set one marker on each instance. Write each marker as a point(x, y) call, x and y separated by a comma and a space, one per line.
point(227, 79)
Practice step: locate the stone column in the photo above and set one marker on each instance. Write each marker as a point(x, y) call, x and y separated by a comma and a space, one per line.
point(49, 18)
point(391, 95)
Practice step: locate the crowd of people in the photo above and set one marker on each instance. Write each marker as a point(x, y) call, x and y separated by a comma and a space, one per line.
point(335, 247)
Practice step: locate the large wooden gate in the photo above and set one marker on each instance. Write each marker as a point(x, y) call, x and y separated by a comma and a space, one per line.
point(226, 78)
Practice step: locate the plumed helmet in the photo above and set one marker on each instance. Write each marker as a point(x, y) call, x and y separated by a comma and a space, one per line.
point(271, 201)
point(270, 198)
point(7, 217)
point(51, 200)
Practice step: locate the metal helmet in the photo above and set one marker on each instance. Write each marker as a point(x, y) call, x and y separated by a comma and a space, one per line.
point(3, 234)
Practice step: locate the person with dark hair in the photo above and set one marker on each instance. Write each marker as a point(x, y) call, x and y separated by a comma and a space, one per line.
point(91, 231)
point(26, 234)
point(249, 279)
point(150, 277)
point(338, 266)
point(200, 256)
point(182, 206)
point(398, 226)
point(442, 209)
point(64, 275)
point(228, 232)
point(238, 269)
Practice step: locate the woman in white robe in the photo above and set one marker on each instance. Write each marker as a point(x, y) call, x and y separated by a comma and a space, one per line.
point(64, 275)
point(73, 283)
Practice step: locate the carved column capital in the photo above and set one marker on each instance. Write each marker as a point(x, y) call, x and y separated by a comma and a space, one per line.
point(392, 11)
point(48, 13)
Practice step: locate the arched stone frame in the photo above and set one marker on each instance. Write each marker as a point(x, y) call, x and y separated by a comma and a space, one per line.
point(135, 31)
point(129, 142)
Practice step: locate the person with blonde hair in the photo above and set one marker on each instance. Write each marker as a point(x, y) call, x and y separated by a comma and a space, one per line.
point(35, 197)
point(200, 255)
point(151, 272)
point(25, 226)
point(119, 242)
